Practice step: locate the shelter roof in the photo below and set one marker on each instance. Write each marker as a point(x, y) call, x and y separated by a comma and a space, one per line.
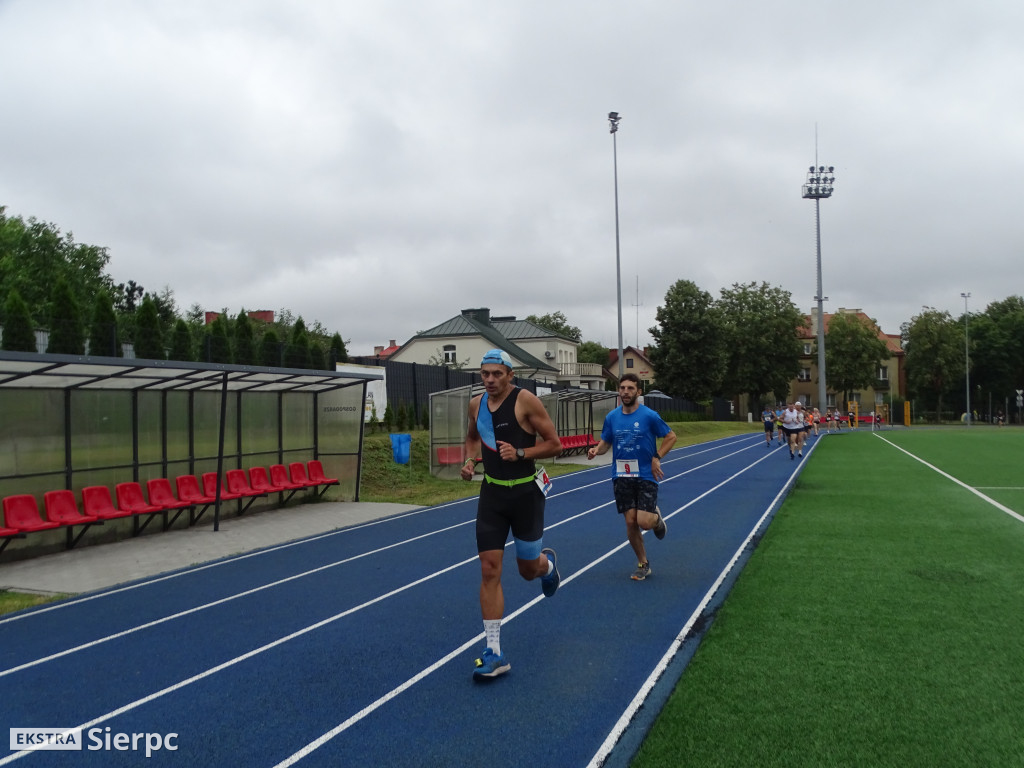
point(27, 370)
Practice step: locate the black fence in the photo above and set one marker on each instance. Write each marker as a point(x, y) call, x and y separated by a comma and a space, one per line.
point(413, 383)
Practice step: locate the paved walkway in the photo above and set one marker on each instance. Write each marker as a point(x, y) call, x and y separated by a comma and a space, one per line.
point(89, 568)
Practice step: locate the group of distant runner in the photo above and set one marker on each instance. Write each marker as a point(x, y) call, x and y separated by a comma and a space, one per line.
point(792, 423)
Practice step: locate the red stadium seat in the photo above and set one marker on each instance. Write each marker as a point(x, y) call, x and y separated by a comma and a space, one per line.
point(188, 490)
point(22, 512)
point(279, 477)
point(238, 483)
point(297, 473)
point(96, 502)
point(61, 507)
point(210, 488)
point(161, 495)
point(315, 479)
point(260, 481)
point(130, 499)
point(450, 454)
point(316, 472)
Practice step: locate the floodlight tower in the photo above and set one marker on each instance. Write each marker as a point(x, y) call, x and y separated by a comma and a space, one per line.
point(967, 356)
point(819, 187)
point(613, 122)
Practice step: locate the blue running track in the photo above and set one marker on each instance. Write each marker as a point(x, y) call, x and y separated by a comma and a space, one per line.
point(356, 647)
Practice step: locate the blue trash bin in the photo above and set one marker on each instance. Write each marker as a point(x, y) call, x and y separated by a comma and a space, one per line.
point(400, 448)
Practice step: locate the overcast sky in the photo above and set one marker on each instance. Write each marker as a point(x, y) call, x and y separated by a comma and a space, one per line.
point(379, 166)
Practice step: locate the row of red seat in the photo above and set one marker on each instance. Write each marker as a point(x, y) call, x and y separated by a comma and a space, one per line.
point(576, 443)
point(21, 512)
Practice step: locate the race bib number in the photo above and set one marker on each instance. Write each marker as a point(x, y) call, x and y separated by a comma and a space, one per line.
point(627, 468)
point(543, 481)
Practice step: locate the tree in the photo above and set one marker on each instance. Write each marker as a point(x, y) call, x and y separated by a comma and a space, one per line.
point(318, 360)
point(761, 325)
point(245, 340)
point(934, 355)
point(339, 352)
point(67, 331)
point(688, 354)
point(34, 254)
point(270, 349)
point(218, 341)
point(19, 331)
point(149, 339)
point(592, 352)
point(853, 353)
point(556, 322)
point(997, 348)
point(182, 347)
point(297, 355)
point(103, 332)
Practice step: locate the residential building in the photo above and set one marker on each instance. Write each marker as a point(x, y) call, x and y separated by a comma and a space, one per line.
point(636, 361)
point(890, 379)
point(536, 352)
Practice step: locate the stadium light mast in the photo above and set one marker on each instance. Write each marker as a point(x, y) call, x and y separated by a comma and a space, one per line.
point(967, 356)
point(819, 187)
point(613, 121)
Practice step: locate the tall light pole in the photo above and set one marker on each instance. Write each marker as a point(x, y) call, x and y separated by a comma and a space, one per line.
point(967, 356)
point(818, 187)
point(613, 121)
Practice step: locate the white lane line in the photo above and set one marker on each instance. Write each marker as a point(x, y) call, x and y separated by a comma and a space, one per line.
point(369, 709)
point(279, 582)
point(305, 630)
point(222, 601)
point(964, 485)
point(638, 701)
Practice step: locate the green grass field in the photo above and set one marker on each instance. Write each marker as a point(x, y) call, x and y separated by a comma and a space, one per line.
point(880, 622)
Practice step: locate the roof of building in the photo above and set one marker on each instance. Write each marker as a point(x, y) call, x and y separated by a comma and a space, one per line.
point(476, 322)
point(892, 341)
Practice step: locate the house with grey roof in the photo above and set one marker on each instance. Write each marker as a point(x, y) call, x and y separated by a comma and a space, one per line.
point(536, 352)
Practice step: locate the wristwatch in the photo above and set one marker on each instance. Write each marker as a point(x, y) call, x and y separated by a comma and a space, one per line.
point(520, 453)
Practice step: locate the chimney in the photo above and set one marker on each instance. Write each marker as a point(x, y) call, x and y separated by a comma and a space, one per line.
point(393, 343)
point(482, 315)
point(378, 350)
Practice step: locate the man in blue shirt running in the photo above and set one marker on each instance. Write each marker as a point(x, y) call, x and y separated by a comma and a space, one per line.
point(631, 431)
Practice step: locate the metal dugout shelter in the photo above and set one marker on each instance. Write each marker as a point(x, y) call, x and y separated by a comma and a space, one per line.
point(68, 422)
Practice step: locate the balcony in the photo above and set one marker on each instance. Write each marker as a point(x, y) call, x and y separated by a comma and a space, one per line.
point(577, 370)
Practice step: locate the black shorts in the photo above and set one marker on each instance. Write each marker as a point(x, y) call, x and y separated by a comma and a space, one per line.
point(769, 426)
point(500, 509)
point(635, 493)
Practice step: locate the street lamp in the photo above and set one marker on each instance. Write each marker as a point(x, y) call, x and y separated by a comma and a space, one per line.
point(613, 122)
point(818, 187)
point(967, 356)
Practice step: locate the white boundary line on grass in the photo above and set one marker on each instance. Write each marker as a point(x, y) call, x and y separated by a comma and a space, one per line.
point(620, 727)
point(962, 484)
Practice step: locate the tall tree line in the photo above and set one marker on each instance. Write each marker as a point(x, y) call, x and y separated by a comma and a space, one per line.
point(49, 282)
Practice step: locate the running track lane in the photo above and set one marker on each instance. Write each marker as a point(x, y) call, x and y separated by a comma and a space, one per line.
point(357, 646)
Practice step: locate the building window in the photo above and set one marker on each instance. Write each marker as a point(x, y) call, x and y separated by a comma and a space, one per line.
point(830, 401)
point(883, 373)
point(629, 362)
point(807, 347)
point(805, 374)
point(449, 354)
point(879, 398)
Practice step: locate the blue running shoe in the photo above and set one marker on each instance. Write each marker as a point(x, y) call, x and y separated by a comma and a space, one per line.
point(549, 584)
point(490, 665)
